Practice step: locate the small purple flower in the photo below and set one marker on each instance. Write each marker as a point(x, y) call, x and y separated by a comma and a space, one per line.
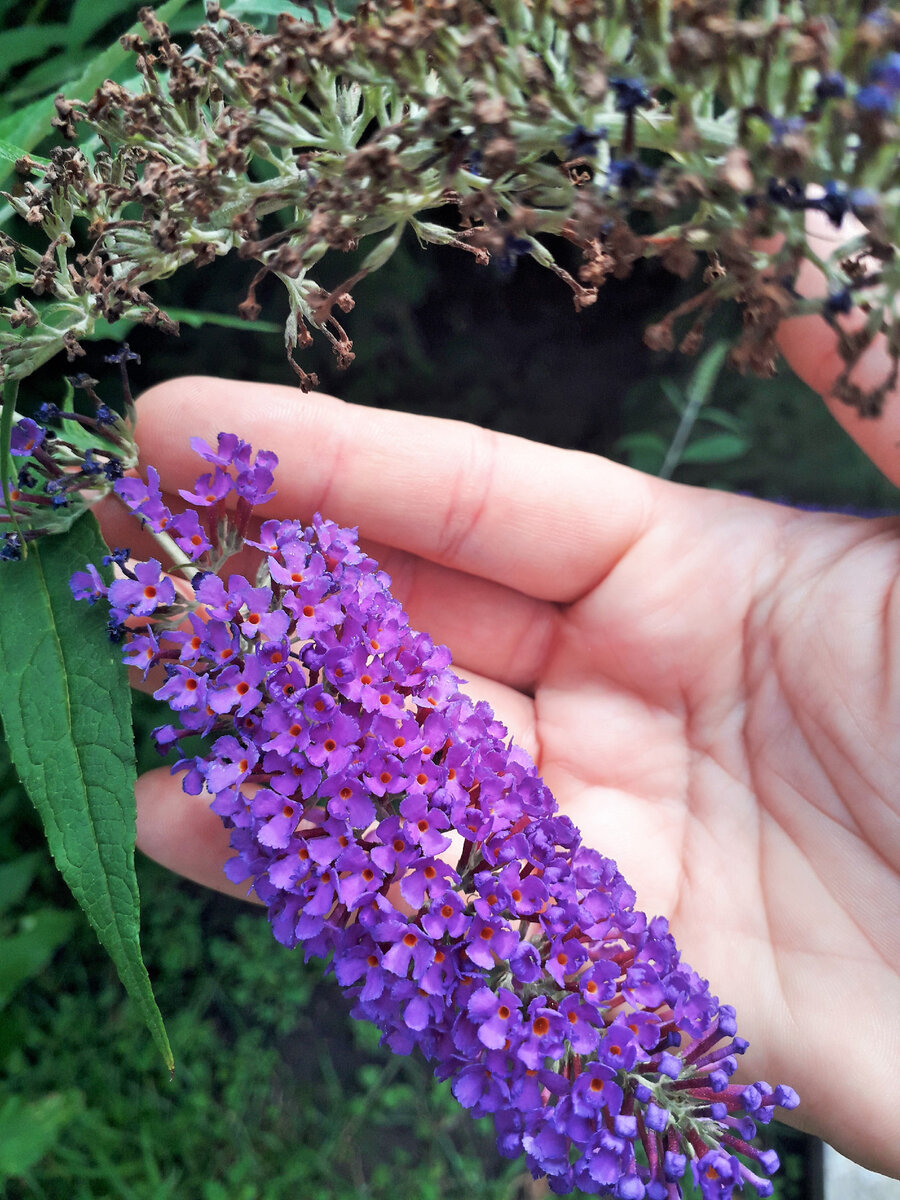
point(230, 451)
point(488, 940)
point(446, 916)
point(87, 585)
point(424, 826)
point(144, 594)
point(479, 1089)
point(237, 688)
point(208, 489)
point(145, 499)
point(497, 1016)
point(183, 689)
point(142, 650)
point(189, 534)
point(410, 948)
point(544, 1032)
point(25, 438)
point(254, 486)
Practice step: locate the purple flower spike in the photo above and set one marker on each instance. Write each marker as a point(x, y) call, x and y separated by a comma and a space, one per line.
point(385, 820)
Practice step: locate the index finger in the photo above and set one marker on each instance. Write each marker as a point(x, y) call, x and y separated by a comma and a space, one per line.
point(811, 349)
point(548, 522)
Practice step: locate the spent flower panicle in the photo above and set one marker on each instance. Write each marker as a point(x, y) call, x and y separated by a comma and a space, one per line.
point(718, 124)
point(386, 820)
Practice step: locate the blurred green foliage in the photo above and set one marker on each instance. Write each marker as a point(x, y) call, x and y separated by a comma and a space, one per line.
point(278, 1093)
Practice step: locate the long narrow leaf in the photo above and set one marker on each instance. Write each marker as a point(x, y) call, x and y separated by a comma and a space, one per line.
point(66, 710)
point(10, 153)
point(25, 42)
point(87, 17)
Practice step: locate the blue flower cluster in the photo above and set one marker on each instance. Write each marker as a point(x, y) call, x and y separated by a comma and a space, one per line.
point(387, 820)
point(59, 477)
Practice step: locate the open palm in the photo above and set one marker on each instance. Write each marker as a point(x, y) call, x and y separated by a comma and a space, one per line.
point(709, 685)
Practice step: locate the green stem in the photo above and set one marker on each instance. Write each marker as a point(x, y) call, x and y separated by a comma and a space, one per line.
point(167, 544)
point(10, 394)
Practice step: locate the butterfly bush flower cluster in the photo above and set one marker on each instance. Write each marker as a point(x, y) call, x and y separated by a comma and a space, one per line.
point(389, 823)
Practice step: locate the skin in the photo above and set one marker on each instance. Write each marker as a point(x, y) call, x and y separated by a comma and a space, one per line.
point(709, 685)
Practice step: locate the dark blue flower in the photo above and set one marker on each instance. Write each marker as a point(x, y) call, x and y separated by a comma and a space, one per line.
point(505, 260)
point(886, 72)
point(839, 302)
point(876, 98)
point(835, 203)
point(123, 355)
point(631, 93)
point(628, 173)
point(582, 143)
point(831, 86)
point(46, 412)
point(790, 195)
point(11, 549)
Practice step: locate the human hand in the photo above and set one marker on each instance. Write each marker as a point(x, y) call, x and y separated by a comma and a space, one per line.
point(709, 686)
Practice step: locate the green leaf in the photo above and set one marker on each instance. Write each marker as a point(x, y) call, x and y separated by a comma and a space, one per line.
point(717, 447)
point(26, 953)
point(30, 125)
point(66, 710)
point(11, 153)
point(15, 879)
point(271, 8)
point(87, 17)
point(51, 74)
point(117, 330)
point(644, 451)
point(196, 320)
point(725, 420)
point(25, 42)
point(706, 373)
point(674, 394)
point(29, 1129)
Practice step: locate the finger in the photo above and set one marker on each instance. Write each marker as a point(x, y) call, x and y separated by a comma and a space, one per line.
point(546, 522)
point(499, 632)
point(810, 346)
point(181, 833)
